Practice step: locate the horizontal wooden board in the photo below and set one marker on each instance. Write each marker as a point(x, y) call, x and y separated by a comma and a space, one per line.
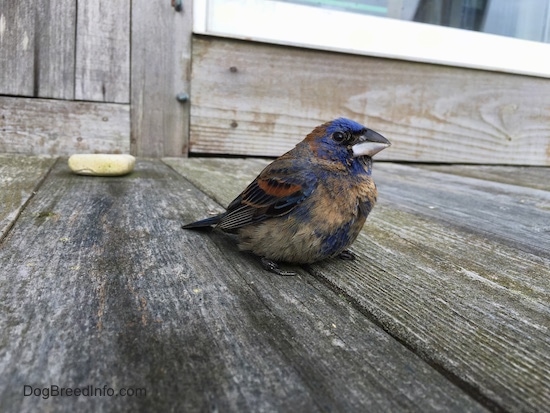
point(258, 99)
point(101, 286)
point(20, 176)
point(40, 126)
point(456, 268)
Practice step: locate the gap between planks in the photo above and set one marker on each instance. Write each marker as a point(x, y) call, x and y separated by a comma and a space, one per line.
point(27, 193)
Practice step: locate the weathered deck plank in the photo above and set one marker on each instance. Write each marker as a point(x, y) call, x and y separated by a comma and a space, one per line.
point(516, 215)
point(530, 176)
point(457, 268)
point(99, 285)
point(20, 176)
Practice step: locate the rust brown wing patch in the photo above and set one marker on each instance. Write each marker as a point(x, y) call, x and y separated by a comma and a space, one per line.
point(279, 189)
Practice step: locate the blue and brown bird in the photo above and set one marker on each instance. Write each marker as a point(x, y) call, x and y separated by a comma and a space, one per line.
point(310, 203)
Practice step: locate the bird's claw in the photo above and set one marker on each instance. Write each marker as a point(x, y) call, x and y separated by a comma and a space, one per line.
point(272, 266)
point(346, 255)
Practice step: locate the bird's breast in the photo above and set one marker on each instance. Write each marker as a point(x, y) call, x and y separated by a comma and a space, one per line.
point(336, 201)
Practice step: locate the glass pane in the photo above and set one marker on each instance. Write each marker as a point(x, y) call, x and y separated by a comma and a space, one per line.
point(525, 19)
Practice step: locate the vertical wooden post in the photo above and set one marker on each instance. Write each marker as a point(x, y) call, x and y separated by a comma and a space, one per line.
point(160, 70)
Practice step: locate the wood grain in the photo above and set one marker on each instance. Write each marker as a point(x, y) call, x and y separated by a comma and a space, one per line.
point(103, 51)
point(20, 176)
point(514, 215)
point(100, 288)
point(528, 176)
point(456, 268)
point(203, 171)
point(43, 126)
point(160, 70)
point(38, 48)
point(258, 99)
point(55, 48)
point(17, 38)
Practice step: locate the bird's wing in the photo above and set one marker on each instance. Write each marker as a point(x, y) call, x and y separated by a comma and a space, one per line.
point(275, 192)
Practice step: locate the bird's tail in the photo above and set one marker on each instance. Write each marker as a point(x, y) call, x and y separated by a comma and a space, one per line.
point(203, 223)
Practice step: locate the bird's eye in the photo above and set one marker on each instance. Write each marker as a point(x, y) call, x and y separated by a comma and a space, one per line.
point(338, 136)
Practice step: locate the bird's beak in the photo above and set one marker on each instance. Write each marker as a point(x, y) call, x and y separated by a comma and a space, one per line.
point(370, 143)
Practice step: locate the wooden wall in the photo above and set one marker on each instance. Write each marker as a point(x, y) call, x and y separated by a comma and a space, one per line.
point(103, 77)
point(79, 56)
point(259, 99)
point(94, 75)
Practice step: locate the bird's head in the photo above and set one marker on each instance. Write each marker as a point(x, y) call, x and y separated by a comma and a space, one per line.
point(345, 140)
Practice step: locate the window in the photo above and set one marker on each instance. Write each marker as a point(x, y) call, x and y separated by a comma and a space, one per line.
point(502, 35)
point(525, 19)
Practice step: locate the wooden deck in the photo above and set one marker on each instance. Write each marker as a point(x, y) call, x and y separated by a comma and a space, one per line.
point(446, 309)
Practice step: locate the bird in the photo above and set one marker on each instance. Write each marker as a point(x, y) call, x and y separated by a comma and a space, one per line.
point(310, 203)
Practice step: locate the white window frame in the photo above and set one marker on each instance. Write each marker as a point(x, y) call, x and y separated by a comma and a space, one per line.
point(313, 27)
